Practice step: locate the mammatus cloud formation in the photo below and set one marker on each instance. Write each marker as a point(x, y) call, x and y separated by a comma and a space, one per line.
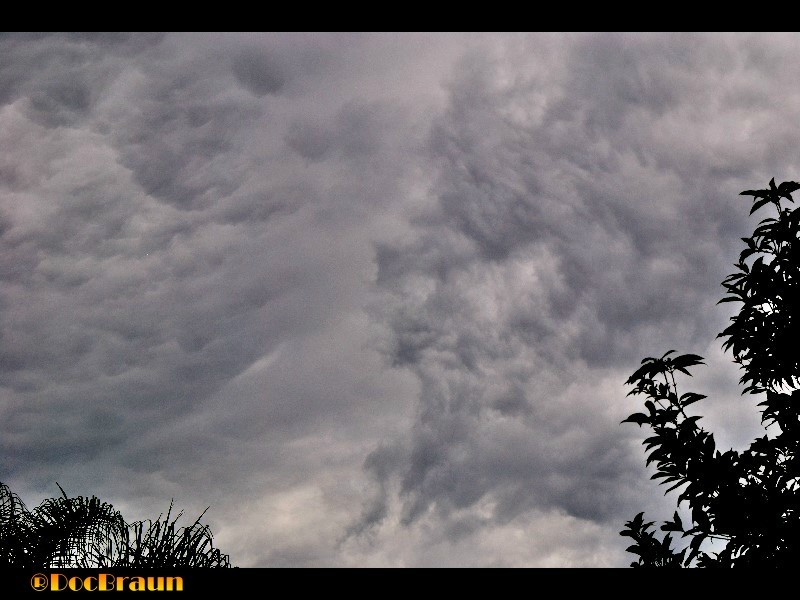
point(372, 297)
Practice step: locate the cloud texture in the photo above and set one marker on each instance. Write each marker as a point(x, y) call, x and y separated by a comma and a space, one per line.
point(372, 297)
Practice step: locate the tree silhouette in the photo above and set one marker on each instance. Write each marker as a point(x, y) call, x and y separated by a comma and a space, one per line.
point(744, 506)
point(87, 533)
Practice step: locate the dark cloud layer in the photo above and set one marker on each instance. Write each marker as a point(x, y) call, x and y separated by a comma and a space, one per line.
point(371, 297)
point(563, 241)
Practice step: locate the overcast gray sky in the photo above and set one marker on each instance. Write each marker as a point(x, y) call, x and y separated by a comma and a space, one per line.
point(373, 298)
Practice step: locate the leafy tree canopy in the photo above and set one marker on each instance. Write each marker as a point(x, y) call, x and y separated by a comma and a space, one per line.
point(745, 502)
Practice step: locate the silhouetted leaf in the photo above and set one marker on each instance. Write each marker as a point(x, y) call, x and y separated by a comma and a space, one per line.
point(787, 187)
point(758, 205)
point(755, 193)
point(690, 398)
point(638, 418)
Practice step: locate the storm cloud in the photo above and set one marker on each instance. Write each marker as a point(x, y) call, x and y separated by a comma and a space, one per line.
point(372, 297)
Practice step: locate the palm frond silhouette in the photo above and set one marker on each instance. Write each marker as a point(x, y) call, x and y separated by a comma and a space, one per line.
point(85, 532)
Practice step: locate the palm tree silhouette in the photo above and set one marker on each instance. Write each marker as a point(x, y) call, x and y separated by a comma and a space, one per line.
point(88, 533)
